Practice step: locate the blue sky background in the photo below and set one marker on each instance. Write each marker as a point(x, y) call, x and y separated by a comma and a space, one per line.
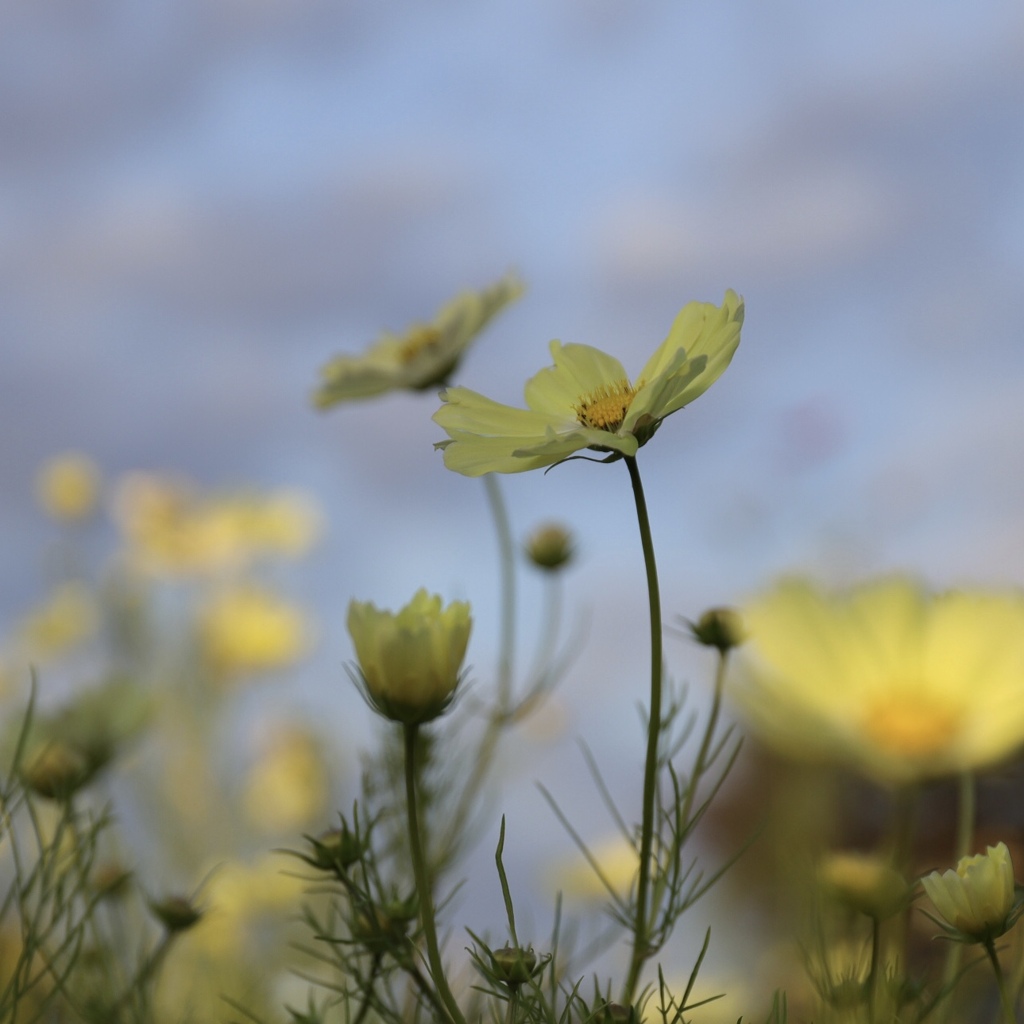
point(201, 201)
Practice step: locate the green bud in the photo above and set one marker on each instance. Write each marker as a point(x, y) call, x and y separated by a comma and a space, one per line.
point(550, 547)
point(719, 627)
point(56, 771)
point(110, 881)
point(616, 1013)
point(514, 966)
point(383, 927)
point(175, 913)
point(336, 849)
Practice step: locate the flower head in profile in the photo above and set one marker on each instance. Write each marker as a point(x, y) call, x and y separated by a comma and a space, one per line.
point(410, 661)
point(423, 357)
point(887, 678)
point(586, 400)
point(977, 899)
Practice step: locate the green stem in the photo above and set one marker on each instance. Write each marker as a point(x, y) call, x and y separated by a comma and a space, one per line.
point(700, 765)
point(966, 809)
point(1004, 995)
point(642, 924)
point(499, 513)
point(423, 887)
point(873, 972)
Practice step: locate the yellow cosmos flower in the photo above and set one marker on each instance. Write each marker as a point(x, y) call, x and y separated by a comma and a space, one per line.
point(864, 883)
point(423, 357)
point(977, 899)
point(68, 486)
point(410, 661)
point(67, 618)
point(586, 400)
point(288, 787)
point(896, 682)
point(172, 529)
point(246, 629)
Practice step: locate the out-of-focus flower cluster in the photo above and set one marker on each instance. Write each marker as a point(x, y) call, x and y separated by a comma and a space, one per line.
point(132, 651)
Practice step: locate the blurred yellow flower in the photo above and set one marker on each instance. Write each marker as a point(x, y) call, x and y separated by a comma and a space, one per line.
point(865, 883)
point(67, 486)
point(410, 661)
point(245, 629)
point(586, 400)
point(887, 678)
point(617, 861)
point(67, 618)
point(172, 529)
point(977, 899)
point(424, 356)
point(287, 788)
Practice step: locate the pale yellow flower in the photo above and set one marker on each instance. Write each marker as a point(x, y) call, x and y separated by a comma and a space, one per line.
point(977, 899)
point(410, 661)
point(246, 629)
point(865, 883)
point(287, 788)
point(887, 678)
point(68, 617)
point(424, 356)
point(67, 486)
point(614, 869)
point(172, 529)
point(586, 399)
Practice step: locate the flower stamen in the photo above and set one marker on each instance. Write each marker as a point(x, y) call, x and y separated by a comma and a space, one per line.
point(606, 408)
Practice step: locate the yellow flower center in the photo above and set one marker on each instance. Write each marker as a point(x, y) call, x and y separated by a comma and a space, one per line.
point(606, 408)
point(904, 724)
point(417, 340)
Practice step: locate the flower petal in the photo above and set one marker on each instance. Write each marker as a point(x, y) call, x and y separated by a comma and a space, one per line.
point(470, 412)
point(701, 328)
point(579, 370)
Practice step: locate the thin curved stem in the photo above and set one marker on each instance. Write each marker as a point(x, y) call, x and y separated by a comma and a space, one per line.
point(700, 765)
point(423, 887)
point(506, 550)
point(642, 921)
point(1004, 995)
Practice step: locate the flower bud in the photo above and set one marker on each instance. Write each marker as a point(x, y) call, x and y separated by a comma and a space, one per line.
point(110, 881)
point(864, 883)
point(336, 849)
point(719, 627)
point(617, 1013)
point(977, 900)
point(176, 913)
point(550, 547)
point(514, 966)
point(410, 661)
point(56, 771)
point(383, 927)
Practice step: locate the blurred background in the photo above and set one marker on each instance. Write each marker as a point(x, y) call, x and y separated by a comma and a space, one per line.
point(202, 201)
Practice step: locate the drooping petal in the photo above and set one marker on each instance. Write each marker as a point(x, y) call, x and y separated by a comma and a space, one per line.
point(560, 444)
point(473, 455)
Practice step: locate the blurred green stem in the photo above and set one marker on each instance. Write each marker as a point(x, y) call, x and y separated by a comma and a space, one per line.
point(966, 810)
point(423, 887)
point(499, 513)
point(642, 924)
